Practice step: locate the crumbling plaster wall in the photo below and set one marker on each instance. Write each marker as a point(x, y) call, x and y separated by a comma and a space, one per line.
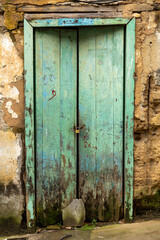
point(147, 98)
point(11, 126)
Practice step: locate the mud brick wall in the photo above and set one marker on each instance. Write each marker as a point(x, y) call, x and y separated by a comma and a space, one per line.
point(147, 99)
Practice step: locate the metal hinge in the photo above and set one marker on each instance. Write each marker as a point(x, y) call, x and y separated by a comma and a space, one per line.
point(135, 77)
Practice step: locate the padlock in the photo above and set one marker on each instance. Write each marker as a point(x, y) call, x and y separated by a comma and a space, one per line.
point(77, 130)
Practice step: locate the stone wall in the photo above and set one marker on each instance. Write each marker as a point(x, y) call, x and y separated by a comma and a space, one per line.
point(147, 98)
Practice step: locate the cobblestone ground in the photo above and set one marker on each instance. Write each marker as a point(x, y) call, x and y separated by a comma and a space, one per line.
point(142, 230)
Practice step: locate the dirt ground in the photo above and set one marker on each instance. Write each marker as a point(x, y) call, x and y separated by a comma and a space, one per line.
point(141, 229)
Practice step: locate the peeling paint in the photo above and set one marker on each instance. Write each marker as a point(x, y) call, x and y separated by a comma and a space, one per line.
point(10, 92)
point(8, 106)
point(10, 62)
point(158, 36)
point(9, 153)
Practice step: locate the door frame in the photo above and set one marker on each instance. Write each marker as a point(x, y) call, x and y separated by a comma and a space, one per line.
point(129, 71)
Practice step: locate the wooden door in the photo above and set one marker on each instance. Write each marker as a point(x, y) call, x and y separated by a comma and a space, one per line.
point(56, 111)
point(79, 80)
point(101, 57)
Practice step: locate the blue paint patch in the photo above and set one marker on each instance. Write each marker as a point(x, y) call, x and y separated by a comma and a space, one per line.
point(64, 22)
point(81, 108)
point(75, 21)
point(45, 98)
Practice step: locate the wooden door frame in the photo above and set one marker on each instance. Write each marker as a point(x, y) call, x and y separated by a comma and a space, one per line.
point(29, 25)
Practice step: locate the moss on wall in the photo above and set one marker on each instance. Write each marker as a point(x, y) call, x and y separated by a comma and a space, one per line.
point(148, 202)
point(11, 17)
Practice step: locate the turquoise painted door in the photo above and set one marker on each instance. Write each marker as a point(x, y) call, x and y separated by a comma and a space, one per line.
point(79, 82)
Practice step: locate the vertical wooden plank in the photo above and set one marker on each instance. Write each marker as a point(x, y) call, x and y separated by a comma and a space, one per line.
point(109, 117)
point(105, 121)
point(87, 120)
point(39, 114)
point(118, 118)
point(29, 124)
point(129, 117)
point(101, 111)
point(56, 116)
point(49, 177)
point(68, 111)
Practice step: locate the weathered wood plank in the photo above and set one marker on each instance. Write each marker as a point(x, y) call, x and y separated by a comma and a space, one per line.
point(141, 7)
point(87, 116)
point(56, 117)
point(48, 168)
point(105, 120)
point(71, 8)
point(62, 20)
point(129, 117)
point(39, 114)
point(68, 119)
point(118, 117)
point(29, 125)
point(101, 114)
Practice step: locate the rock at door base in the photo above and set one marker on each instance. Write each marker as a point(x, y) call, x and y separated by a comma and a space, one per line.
point(74, 213)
